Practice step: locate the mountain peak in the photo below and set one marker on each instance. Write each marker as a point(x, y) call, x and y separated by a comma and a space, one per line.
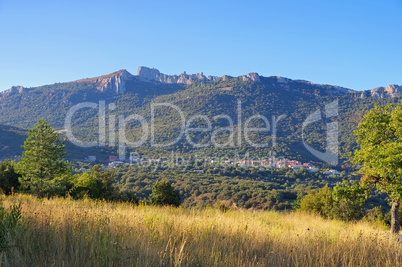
point(391, 90)
point(110, 75)
point(14, 90)
point(110, 82)
point(116, 82)
point(153, 75)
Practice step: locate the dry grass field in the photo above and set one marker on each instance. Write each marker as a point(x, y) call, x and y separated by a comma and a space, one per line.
point(65, 232)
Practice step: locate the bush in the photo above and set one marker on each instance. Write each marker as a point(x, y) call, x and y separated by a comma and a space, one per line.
point(343, 203)
point(318, 201)
point(60, 186)
point(97, 185)
point(221, 207)
point(163, 193)
point(85, 184)
point(9, 178)
point(348, 201)
point(375, 216)
point(346, 210)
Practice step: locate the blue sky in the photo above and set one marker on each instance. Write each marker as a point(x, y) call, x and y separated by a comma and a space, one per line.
point(355, 44)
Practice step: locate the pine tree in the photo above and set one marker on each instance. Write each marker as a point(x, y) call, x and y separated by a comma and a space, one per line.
point(43, 158)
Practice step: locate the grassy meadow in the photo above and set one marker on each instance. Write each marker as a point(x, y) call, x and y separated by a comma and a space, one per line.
point(66, 232)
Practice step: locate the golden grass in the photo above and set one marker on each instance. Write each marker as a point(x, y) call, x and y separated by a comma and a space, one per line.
point(64, 232)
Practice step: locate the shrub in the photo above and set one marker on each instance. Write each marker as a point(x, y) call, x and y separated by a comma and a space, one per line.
point(221, 207)
point(318, 201)
point(163, 193)
point(9, 178)
point(344, 202)
point(97, 185)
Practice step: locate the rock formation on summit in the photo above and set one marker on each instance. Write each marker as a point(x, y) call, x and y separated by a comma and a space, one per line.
point(14, 90)
point(153, 75)
point(115, 82)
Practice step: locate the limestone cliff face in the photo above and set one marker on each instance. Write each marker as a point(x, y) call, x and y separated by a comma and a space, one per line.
point(392, 90)
point(14, 90)
point(114, 82)
point(153, 75)
point(254, 77)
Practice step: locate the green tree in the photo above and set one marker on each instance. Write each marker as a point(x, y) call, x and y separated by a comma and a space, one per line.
point(163, 193)
point(348, 201)
point(318, 201)
point(98, 184)
point(105, 180)
point(61, 185)
point(9, 178)
point(42, 160)
point(85, 184)
point(344, 202)
point(379, 136)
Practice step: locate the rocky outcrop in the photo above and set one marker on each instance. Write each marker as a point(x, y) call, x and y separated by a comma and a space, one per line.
point(153, 75)
point(226, 77)
point(392, 90)
point(14, 90)
point(114, 82)
point(252, 76)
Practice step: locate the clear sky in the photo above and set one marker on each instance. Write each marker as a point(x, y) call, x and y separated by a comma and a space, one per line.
point(355, 44)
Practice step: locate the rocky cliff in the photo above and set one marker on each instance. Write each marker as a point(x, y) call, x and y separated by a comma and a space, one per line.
point(392, 90)
point(114, 82)
point(15, 90)
point(251, 77)
point(153, 75)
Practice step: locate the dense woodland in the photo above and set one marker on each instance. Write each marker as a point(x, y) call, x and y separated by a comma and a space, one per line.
point(228, 186)
point(294, 101)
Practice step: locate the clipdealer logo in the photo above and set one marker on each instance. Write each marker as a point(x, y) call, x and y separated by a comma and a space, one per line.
point(243, 129)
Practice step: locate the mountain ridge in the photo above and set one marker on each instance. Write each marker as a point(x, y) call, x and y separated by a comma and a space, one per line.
point(125, 94)
point(115, 82)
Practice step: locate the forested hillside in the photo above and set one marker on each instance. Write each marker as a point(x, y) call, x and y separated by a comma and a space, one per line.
point(285, 103)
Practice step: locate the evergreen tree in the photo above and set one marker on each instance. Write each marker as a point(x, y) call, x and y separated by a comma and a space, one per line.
point(163, 193)
point(43, 159)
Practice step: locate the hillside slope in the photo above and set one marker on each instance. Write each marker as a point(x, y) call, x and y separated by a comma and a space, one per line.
point(293, 101)
point(11, 139)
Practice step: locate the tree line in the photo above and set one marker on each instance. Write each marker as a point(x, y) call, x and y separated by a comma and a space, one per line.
point(43, 171)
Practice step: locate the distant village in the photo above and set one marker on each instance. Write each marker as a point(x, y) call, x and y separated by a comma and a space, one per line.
point(260, 164)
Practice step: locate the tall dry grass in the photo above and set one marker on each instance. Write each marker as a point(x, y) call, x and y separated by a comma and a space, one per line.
point(63, 232)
